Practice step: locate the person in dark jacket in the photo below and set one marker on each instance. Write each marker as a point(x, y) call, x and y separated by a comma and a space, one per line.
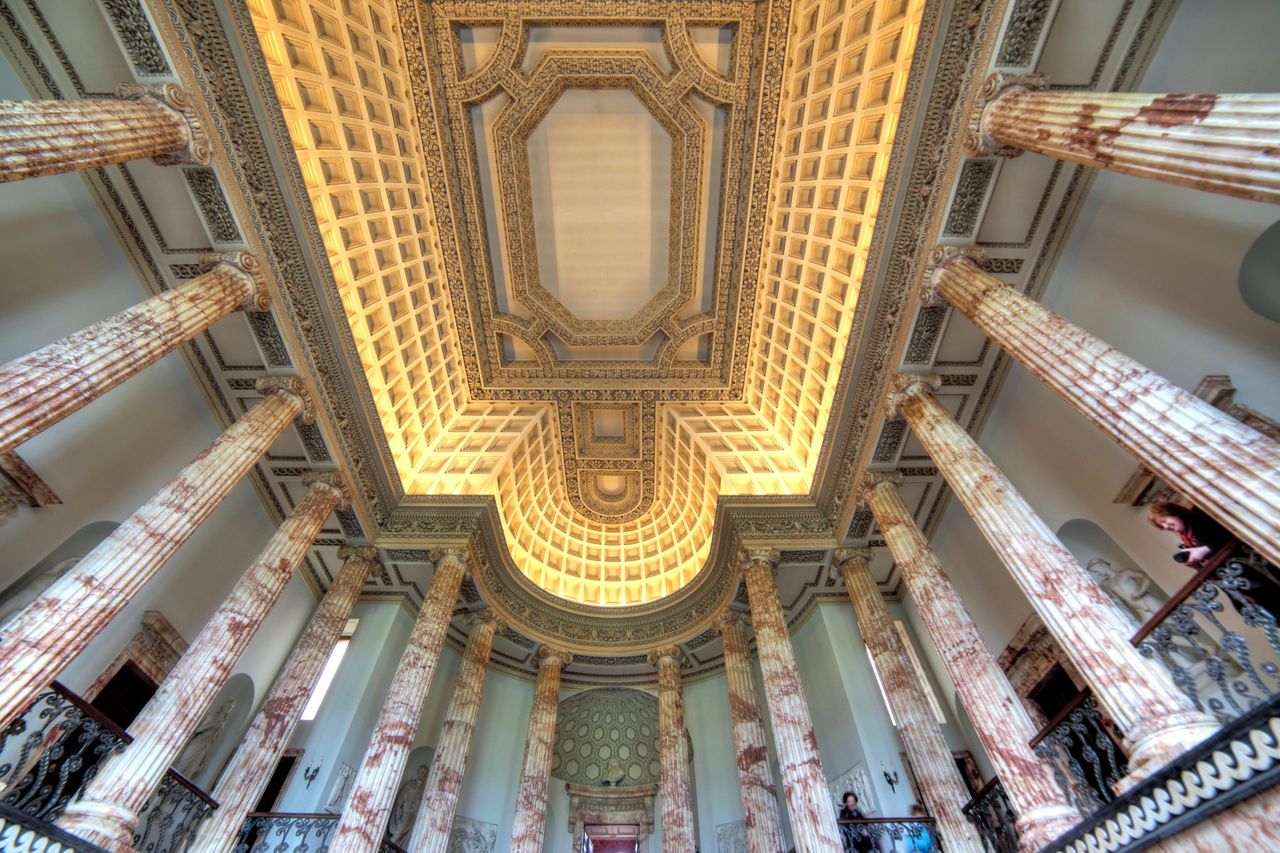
point(855, 838)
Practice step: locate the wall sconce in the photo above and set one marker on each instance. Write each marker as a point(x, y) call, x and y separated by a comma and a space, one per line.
point(891, 778)
point(311, 772)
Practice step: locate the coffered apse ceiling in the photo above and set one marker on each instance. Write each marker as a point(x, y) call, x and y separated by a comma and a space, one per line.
point(599, 259)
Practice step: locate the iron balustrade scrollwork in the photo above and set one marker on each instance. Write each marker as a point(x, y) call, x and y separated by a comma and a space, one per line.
point(270, 832)
point(992, 813)
point(20, 833)
point(1086, 759)
point(170, 818)
point(891, 834)
point(1218, 636)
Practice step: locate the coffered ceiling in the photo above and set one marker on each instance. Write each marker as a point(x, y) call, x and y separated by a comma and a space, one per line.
point(599, 260)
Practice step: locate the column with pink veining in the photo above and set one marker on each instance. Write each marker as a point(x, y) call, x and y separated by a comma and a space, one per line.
point(1042, 808)
point(364, 819)
point(434, 822)
point(755, 782)
point(529, 826)
point(246, 776)
point(1157, 719)
point(804, 782)
point(48, 633)
point(106, 812)
point(943, 791)
point(673, 754)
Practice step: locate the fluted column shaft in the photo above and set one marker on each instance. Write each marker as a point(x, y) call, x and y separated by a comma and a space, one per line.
point(364, 819)
point(250, 769)
point(1158, 720)
point(1227, 469)
point(998, 715)
point(106, 812)
point(529, 826)
point(40, 389)
point(49, 137)
point(48, 633)
point(804, 782)
point(673, 755)
point(943, 790)
point(755, 782)
point(1221, 143)
point(434, 822)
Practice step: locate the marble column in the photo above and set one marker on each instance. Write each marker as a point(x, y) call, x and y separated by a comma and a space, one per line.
point(941, 787)
point(42, 388)
point(1227, 469)
point(49, 137)
point(106, 811)
point(1158, 720)
point(246, 776)
point(434, 822)
point(1042, 808)
point(364, 820)
point(755, 782)
point(48, 633)
point(673, 754)
point(529, 826)
point(1221, 143)
point(804, 782)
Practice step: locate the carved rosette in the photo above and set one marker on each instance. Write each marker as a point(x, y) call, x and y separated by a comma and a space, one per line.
point(978, 141)
point(170, 96)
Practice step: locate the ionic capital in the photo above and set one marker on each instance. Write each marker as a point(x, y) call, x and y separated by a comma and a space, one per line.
point(172, 98)
point(487, 616)
point(288, 385)
point(729, 618)
point(904, 386)
point(358, 552)
point(439, 555)
point(872, 479)
point(547, 652)
point(331, 480)
point(978, 142)
point(753, 558)
point(674, 652)
point(845, 555)
point(247, 265)
point(939, 259)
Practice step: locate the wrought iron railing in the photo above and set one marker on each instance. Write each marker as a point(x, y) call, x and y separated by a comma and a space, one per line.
point(1218, 635)
point(271, 832)
point(993, 815)
point(169, 820)
point(890, 835)
point(1086, 759)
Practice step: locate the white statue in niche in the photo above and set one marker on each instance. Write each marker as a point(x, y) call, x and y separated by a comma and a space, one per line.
point(404, 810)
point(341, 789)
point(195, 755)
point(1131, 589)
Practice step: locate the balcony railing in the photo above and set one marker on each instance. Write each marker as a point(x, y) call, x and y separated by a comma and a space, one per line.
point(991, 812)
point(890, 835)
point(286, 832)
point(1087, 761)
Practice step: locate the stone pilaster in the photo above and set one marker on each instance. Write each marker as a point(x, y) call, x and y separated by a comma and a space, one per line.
point(106, 812)
point(673, 753)
point(942, 789)
point(1221, 143)
point(998, 716)
point(364, 820)
point(804, 782)
point(1225, 468)
point(529, 826)
point(434, 822)
point(40, 389)
point(1157, 719)
point(44, 637)
point(755, 782)
point(49, 137)
point(250, 769)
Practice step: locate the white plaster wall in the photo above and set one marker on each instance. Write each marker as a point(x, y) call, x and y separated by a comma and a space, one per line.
point(715, 759)
point(493, 768)
point(1151, 269)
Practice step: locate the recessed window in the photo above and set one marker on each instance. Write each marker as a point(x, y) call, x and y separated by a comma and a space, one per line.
point(330, 670)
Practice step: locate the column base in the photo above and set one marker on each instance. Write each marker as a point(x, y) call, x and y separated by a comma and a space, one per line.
point(1156, 742)
point(107, 825)
point(1038, 827)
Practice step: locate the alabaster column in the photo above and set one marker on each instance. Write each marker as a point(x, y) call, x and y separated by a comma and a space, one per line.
point(48, 633)
point(529, 826)
point(1221, 143)
point(364, 819)
point(106, 812)
point(759, 797)
point(1157, 719)
point(48, 137)
point(1227, 469)
point(250, 769)
point(434, 822)
point(943, 790)
point(1042, 808)
point(40, 389)
point(804, 782)
point(673, 753)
